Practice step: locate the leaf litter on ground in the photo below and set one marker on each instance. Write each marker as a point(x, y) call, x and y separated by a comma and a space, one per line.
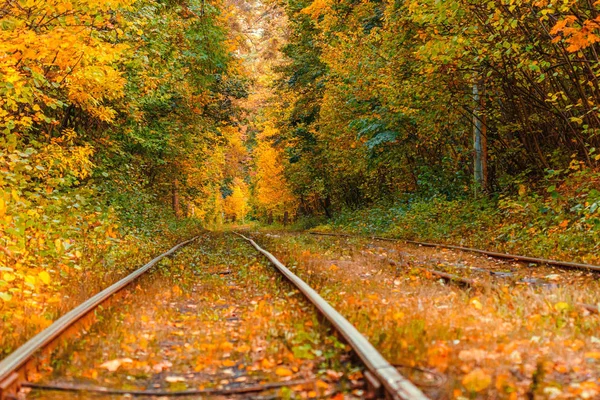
point(518, 334)
point(189, 326)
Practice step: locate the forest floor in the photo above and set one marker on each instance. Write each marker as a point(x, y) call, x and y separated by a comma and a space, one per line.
point(217, 317)
point(517, 334)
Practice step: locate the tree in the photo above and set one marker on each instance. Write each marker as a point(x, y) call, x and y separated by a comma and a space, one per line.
point(273, 196)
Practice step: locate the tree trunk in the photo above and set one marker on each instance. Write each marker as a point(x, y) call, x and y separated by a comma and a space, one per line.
point(175, 199)
point(479, 137)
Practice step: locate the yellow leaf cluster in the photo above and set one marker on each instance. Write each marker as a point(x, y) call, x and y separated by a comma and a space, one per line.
point(55, 52)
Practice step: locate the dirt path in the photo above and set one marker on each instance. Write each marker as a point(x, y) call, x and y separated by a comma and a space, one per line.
point(215, 317)
point(522, 337)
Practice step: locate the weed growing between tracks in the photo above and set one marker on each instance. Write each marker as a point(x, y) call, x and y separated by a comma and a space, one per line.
point(523, 337)
point(214, 316)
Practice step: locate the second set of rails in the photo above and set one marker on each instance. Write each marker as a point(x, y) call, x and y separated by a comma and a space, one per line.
point(471, 283)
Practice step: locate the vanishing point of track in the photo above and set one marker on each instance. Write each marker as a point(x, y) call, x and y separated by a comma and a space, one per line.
point(383, 379)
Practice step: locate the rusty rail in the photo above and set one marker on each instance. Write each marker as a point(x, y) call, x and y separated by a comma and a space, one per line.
point(470, 283)
point(11, 374)
point(534, 260)
point(381, 374)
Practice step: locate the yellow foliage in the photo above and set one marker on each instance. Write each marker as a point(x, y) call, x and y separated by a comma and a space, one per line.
point(236, 206)
point(272, 193)
point(45, 61)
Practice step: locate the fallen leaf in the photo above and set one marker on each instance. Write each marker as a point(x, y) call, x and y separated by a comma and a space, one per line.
point(515, 357)
point(322, 385)
point(552, 392)
point(561, 306)
point(477, 380)
point(161, 366)
point(114, 365)
point(592, 354)
point(282, 371)
point(397, 316)
point(175, 379)
point(476, 303)
point(334, 375)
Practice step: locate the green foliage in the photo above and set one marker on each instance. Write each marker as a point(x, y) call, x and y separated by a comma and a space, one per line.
point(562, 222)
point(377, 97)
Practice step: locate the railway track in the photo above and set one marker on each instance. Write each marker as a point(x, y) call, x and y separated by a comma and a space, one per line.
point(471, 283)
point(482, 318)
point(381, 378)
point(493, 254)
point(14, 368)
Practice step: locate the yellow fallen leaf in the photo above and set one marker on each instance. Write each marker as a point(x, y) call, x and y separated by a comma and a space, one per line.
point(476, 303)
point(228, 363)
point(244, 348)
point(477, 380)
point(593, 354)
point(282, 371)
point(398, 315)
point(561, 306)
point(226, 346)
point(44, 277)
point(8, 277)
point(266, 364)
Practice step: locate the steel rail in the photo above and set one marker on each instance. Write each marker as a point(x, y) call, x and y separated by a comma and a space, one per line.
point(393, 383)
point(166, 393)
point(466, 282)
point(534, 260)
point(9, 366)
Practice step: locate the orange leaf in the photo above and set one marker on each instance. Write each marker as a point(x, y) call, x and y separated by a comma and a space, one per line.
point(281, 371)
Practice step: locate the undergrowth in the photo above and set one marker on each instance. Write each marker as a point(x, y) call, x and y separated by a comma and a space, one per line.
point(558, 219)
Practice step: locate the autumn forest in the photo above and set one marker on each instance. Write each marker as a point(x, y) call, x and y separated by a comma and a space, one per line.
point(128, 126)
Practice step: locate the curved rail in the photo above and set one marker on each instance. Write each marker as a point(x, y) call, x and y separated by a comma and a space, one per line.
point(555, 263)
point(10, 366)
point(394, 384)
